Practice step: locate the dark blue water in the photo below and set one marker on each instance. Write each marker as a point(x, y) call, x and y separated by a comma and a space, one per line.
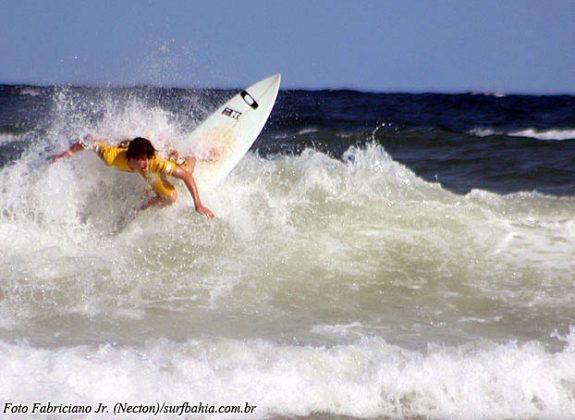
point(467, 141)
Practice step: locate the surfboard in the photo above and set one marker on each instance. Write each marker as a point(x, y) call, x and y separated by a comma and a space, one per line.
point(225, 136)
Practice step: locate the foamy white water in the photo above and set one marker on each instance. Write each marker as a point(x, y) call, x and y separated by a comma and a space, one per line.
point(368, 378)
point(347, 287)
point(545, 134)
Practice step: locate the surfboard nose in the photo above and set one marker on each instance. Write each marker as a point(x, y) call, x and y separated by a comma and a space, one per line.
point(275, 78)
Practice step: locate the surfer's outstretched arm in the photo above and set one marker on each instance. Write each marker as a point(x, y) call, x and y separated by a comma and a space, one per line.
point(76, 147)
point(188, 178)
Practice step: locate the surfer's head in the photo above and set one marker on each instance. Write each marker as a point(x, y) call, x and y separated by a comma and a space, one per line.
point(140, 151)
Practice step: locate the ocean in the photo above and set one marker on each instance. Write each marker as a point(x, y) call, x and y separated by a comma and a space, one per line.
point(374, 255)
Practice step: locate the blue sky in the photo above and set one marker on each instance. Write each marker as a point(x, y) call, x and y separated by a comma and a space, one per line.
point(521, 46)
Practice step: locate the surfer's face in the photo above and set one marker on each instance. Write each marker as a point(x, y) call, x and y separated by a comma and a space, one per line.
point(139, 163)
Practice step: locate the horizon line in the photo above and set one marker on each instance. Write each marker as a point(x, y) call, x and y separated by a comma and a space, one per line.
point(359, 89)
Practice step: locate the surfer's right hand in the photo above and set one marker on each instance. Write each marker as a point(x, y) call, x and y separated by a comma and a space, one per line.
point(76, 147)
point(54, 158)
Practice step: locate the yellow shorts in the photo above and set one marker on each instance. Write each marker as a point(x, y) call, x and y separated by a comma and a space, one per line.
point(163, 187)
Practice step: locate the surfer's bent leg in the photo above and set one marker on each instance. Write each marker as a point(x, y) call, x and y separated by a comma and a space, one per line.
point(158, 201)
point(166, 194)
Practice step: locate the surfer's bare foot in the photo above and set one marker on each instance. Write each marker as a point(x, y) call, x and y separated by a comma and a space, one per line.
point(212, 155)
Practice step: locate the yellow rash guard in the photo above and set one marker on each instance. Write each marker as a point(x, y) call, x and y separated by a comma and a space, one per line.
point(158, 168)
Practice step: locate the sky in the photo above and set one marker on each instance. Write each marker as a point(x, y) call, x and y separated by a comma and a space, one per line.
point(508, 46)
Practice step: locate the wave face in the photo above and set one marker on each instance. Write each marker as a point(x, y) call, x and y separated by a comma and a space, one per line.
point(361, 264)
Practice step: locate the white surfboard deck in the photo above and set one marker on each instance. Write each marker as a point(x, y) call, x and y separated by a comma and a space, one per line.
point(224, 137)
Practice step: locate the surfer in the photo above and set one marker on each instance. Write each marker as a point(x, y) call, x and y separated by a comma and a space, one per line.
point(139, 155)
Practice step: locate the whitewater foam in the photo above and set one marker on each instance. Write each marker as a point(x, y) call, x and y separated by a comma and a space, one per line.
point(366, 379)
point(529, 132)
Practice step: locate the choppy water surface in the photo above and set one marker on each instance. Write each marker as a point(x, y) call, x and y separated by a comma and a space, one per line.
point(373, 255)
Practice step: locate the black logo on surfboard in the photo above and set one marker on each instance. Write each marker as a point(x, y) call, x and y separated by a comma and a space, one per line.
point(249, 99)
